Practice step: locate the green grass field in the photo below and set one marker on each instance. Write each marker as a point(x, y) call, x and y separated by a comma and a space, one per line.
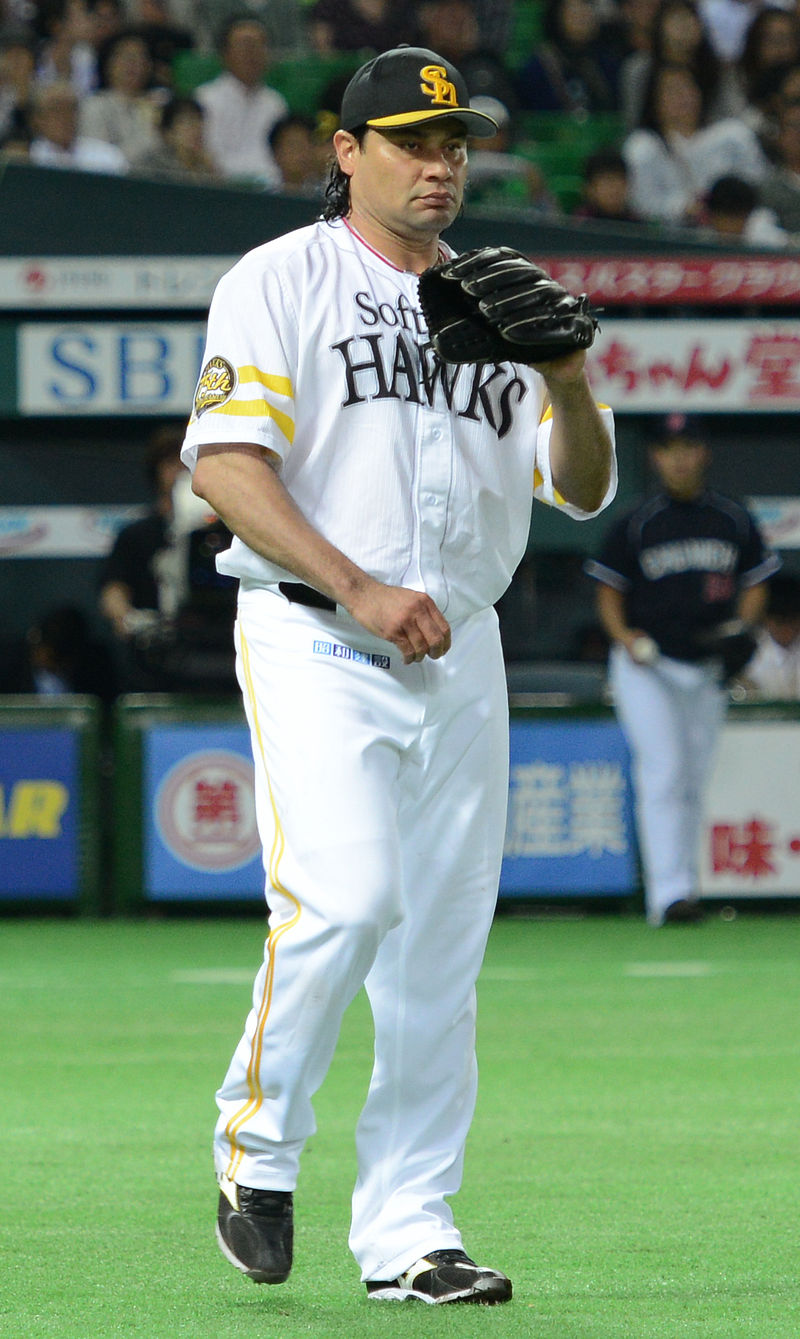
point(633, 1164)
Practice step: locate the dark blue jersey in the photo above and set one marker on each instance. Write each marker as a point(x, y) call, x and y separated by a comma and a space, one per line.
point(681, 565)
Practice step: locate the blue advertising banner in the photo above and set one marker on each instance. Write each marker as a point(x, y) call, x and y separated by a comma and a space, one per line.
point(200, 836)
point(570, 810)
point(39, 824)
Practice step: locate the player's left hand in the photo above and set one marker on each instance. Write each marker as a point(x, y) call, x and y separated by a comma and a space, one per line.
point(562, 371)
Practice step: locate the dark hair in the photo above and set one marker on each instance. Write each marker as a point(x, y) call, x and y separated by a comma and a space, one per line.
point(732, 195)
point(604, 160)
point(704, 62)
point(173, 109)
point(783, 598)
point(337, 188)
point(16, 35)
point(552, 22)
point(749, 63)
point(234, 20)
point(109, 46)
point(649, 119)
point(285, 123)
point(164, 444)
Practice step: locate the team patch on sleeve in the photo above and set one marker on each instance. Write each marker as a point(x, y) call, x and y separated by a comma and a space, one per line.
point(216, 385)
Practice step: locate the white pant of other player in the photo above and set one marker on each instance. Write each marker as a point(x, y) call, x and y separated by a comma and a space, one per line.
point(408, 800)
point(671, 714)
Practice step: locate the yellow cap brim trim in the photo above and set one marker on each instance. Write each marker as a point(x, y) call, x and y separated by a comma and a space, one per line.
point(417, 118)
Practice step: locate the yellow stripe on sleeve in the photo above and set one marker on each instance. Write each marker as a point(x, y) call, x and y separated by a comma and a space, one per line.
point(280, 385)
point(258, 409)
point(538, 481)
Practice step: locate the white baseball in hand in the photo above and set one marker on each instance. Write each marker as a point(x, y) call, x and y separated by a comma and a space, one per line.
point(644, 650)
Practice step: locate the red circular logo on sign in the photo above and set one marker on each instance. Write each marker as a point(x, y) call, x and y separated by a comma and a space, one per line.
point(205, 811)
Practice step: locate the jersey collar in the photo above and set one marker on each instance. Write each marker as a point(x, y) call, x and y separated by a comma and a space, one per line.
point(444, 252)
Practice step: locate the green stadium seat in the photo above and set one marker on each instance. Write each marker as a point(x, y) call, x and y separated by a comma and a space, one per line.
point(303, 81)
point(192, 68)
point(526, 32)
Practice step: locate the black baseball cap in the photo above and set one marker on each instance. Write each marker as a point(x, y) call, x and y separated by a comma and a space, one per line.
point(672, 426)
point(409, 86)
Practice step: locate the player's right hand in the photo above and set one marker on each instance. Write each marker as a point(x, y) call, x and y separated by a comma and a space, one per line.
point(408, 619)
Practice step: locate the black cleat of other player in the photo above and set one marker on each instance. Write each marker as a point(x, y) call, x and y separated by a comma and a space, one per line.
point(444, 1276)
point(686, 911)
point(255, 1231)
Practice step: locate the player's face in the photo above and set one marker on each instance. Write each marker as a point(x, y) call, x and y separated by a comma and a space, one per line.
point(408, 182)
point(681, 466)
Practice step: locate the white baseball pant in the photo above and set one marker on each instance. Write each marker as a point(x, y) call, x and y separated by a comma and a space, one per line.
point(671, 714)
point(381, 797)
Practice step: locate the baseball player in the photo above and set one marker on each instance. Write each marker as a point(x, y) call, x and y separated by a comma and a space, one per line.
point(673, 573)
point(379, 501)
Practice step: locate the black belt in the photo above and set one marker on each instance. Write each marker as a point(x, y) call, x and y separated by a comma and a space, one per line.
point(297, 593)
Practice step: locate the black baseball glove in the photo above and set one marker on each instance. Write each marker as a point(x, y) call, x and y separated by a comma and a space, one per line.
point(731, 643)
point(494, 305)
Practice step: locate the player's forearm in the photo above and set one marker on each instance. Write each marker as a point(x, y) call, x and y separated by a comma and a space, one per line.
point(246, 492)
point(580, 447)
point(611, 612)
point(752, 603)
point(115, 603)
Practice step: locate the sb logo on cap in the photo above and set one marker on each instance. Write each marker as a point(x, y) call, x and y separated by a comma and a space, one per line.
point(437, 86)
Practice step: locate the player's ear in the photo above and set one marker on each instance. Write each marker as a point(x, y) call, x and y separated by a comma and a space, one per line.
point(346, 147)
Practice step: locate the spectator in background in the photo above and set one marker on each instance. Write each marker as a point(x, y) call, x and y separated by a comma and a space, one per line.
point(734, 213)
point(171, 613)
point(59, 655)
point(772, 44)
point(727, 23)
point(631, 23)
point(605, 194)
point(17, 70)
point(780, 189)
point(774, 671)
point(66, 30)
point(135, 581)
point(495, 24)
point(451, 28)
point(164, 37)
point(240, 108)
point(678, 38)
point(299, 155)
point(356, 25)
point(108, 18)
point(179, 153)
point(674, 156)
point(574, 69)
point(498, 177)
point(56, 142)
point(125, 110)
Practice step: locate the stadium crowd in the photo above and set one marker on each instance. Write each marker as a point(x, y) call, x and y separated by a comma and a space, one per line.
point(653, 113)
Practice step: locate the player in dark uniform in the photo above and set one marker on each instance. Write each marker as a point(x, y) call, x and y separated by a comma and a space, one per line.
point(682, 563)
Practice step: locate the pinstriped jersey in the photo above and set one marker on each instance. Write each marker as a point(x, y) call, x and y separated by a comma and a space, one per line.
point(421, 472)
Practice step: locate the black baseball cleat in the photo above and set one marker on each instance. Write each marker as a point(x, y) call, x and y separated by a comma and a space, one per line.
point(255, 1230)
point(686, 911)
point(444, 1276)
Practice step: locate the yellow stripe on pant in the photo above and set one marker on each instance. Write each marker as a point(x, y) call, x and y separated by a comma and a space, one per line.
point(254, 1101)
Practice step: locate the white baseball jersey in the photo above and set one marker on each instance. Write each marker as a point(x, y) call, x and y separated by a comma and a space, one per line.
point(317, 349)
point(381, 787)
